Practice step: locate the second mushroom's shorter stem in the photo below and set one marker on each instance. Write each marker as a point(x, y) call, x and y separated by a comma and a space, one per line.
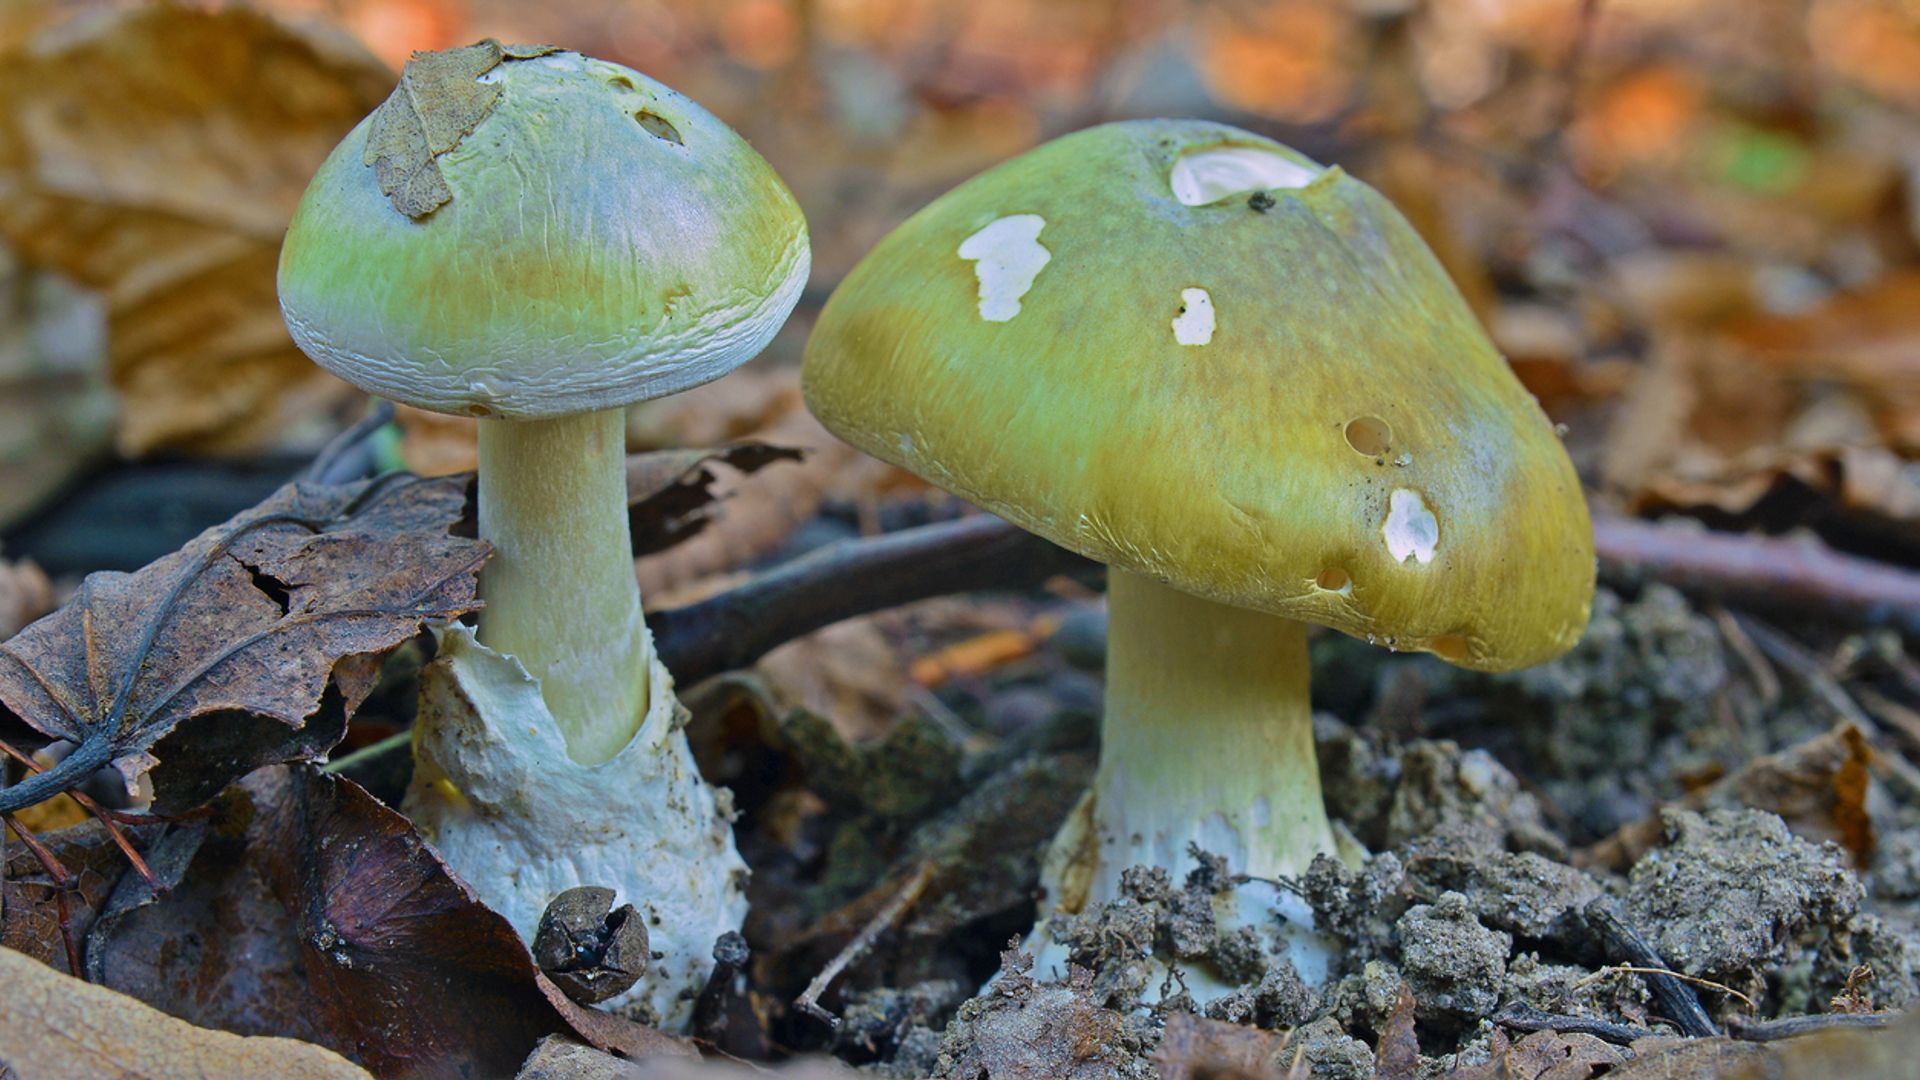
point(560, 589)
point(1208, 738)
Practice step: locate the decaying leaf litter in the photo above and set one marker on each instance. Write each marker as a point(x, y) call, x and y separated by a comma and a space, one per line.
point(1624, 774)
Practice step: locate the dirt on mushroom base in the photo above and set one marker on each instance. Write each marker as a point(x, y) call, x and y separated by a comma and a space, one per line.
point(1475, 905)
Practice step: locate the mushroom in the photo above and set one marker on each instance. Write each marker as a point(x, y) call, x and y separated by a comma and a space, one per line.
point(539, 239)
point(1241, 380)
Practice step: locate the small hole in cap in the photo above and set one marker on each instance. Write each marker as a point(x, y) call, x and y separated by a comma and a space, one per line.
point(479, 410)
point(620, 82)
point(1369, 435)
point(1333, 579)
point(1448, 647)
point(658, 127)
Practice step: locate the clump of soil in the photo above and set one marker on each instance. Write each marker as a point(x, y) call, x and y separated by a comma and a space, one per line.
point(1556, 793)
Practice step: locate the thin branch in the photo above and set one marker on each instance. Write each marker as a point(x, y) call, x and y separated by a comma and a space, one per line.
point(849, 578)
point(1800, 575)
point(1796, 1026)
point(107, 817)
point(1527, 1018)
point(854, 577)
point(809, 1000)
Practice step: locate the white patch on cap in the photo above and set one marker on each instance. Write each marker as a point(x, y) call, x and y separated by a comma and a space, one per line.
point(1211, 175)
point(1006, 256)
point(1411, 530)
point(1194, 324)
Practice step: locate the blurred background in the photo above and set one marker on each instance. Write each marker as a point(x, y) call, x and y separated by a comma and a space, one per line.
point(1692, 225)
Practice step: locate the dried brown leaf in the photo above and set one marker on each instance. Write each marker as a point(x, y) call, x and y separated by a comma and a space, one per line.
point(1545, 1055)
point(439, 101)
point(1696, 1059)
point(1397, 1057)
point(236, 635)
point(29, 900)
point(673, 494)
point(57, 1027)
point(1195, 1048)
point(316, 912)
point(155, 154)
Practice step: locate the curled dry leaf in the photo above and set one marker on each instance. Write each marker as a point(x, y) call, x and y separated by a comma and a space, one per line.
point(227, 644)
point(156, 153)
point(57, 1027)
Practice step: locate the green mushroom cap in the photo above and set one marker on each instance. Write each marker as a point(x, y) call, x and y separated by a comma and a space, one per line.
point(527, 232)
point(1193, 353)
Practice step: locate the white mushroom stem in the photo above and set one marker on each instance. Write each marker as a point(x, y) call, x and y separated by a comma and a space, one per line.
point(1208, 740)
point(560, 589)
point(1208, 737)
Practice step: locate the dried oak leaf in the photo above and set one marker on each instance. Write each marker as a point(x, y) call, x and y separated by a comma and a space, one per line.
point(57, 1027)
point(229, 643)
point(155, 153)
point(439, 101)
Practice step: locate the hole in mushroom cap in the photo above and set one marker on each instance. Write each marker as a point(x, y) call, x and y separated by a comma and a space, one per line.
point(658, 127)
point(620, 82)
point(479, 410)
point(1206, 176)
point(1369, 435)
point(1448, 647)
point(1334, 579)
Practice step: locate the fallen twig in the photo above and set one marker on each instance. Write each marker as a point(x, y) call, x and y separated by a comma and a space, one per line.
point(809, 1000)
point(1674, 997)
point(1796, 1026)
point(1528, 1018)
point(849, 578)
point(854, 577)
point(1797, 574)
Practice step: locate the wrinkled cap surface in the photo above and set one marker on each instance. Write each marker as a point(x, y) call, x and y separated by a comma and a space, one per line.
point(1187, 351)
point(528, 232)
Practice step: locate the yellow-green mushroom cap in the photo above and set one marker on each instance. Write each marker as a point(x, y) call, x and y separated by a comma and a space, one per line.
point(1195, 354)
point(527, 232)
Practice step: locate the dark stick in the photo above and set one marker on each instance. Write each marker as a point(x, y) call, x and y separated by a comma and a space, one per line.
point(1675, 999)
point(1796, 1026)
point(1801, 575)
point(852, 577)
point(1528, 1018)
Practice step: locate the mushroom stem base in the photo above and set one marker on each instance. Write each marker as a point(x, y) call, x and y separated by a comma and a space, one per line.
point(1207, 741)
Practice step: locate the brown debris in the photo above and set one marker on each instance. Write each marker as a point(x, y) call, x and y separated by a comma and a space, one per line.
point(115, 178)
point(57, 1027)
point(231, 640)
point(1195, 1048)
point(439, 101)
